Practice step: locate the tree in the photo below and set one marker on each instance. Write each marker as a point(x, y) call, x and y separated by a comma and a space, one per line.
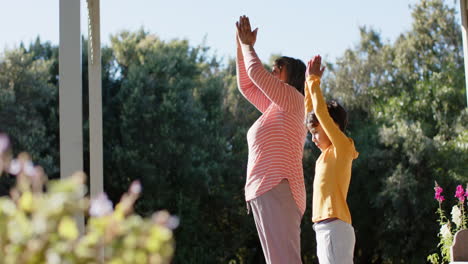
point(174, 119)
point(407, 105)
point(170, 111)
point(28, 105)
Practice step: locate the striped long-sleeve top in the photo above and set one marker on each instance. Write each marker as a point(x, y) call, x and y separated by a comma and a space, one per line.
point(276, 139)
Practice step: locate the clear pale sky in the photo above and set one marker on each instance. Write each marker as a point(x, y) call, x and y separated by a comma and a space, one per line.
point(294, 28)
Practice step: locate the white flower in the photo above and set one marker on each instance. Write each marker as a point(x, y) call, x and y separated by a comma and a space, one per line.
point(456, 216)
point(100, 206)
point(53, 257)
point(39, 224)
point(445, 231)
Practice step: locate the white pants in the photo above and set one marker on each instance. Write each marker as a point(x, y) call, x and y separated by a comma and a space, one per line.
point(335, 242)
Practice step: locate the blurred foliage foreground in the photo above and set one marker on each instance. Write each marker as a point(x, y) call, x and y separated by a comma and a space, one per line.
point(174, 119)
point(38, 221)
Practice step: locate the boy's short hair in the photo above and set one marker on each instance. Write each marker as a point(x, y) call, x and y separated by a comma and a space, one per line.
point(337, 113)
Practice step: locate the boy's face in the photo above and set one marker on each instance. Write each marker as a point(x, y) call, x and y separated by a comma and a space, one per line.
point(319, 137)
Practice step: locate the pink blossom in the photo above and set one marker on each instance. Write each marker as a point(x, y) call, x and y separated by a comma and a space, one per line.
point(460, 193)
point(135, 187)
point(438, 191)
point(4, 142)
point(30, 170)
point(15, 167)
point(165, 219)
point(100, 206)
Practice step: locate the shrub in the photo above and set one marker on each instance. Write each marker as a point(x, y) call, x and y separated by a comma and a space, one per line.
point(38, 221)
point(448, 227)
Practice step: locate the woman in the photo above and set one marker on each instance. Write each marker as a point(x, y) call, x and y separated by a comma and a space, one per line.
point(275, 188)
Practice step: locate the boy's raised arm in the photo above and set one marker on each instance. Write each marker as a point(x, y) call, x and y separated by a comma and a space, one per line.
point(314, 73)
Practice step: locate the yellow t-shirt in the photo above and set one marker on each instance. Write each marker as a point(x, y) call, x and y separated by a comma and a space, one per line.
point(333, 167)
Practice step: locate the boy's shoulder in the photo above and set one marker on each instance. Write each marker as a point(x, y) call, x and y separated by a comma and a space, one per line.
point(348, 149)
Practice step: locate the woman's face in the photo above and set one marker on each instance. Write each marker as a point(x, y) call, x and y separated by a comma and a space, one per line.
point(280, 72)
point(319, 137)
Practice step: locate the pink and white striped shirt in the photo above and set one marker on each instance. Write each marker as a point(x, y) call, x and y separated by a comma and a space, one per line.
point(276, 140)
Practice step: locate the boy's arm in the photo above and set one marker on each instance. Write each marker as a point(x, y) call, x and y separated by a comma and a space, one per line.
point(334, 133)
point(314, 73)
point(307, 100)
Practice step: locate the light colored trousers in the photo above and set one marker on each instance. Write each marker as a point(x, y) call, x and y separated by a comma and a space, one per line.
point(335, 242)
point(278, 222)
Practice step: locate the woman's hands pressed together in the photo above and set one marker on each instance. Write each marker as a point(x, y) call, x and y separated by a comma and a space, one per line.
point(244, 32)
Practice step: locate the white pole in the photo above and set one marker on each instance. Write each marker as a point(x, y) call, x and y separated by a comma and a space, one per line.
point(70, 92)
point(464, 22)
point(95, 99)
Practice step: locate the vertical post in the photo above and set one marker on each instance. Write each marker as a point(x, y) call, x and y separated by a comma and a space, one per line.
point(70, 92)
point(464, 22)
point(95, 99)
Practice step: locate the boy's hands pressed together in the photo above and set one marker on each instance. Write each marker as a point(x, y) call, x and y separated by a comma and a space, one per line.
point(314, 67)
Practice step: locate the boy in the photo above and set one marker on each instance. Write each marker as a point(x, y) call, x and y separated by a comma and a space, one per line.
point(330, 213)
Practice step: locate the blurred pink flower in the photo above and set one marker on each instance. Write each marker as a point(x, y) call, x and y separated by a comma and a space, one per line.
point(460, 193)
point(438, 191)
point(15, 167)
point(165, 219)
point(135, 187)
point(100, 206)
point(30, 170)
point(4, 143)
point(173, 222)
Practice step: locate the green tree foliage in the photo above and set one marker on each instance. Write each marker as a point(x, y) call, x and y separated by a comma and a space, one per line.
point(174, 119)
point(28, 102)
point(175, 131)
point(409, 119)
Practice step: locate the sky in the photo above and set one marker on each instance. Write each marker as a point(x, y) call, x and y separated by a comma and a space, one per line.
point(296, 28)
